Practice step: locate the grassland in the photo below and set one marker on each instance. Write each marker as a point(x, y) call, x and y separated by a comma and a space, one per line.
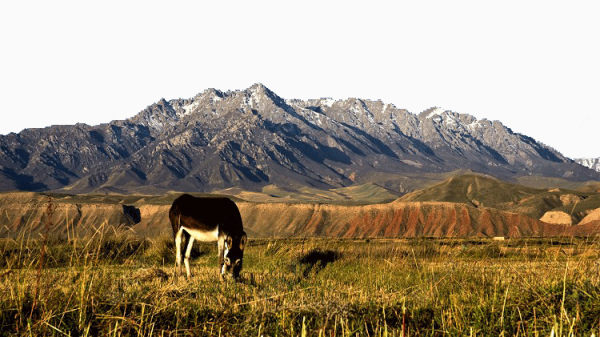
point(118, 285)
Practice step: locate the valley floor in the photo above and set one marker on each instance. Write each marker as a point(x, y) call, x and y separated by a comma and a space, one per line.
point(124, 286)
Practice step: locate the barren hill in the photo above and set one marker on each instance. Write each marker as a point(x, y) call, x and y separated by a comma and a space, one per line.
point(564, 206)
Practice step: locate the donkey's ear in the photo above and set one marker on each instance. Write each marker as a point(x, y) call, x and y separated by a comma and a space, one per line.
point(228, 242)
point(243, 240)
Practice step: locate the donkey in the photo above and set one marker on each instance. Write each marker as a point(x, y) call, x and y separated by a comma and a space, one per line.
point(209, 219)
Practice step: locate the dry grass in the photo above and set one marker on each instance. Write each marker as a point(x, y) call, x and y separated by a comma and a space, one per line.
point(117, 285)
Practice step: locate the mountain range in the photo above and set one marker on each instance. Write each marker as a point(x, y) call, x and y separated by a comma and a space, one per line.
point(254, 140)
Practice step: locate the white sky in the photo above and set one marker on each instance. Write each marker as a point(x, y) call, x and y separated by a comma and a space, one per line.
point(534, 65)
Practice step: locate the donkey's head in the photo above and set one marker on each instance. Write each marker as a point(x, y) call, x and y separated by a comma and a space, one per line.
point(234, 254)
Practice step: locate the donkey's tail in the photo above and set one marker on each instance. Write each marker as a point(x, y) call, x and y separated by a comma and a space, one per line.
point(175, 217)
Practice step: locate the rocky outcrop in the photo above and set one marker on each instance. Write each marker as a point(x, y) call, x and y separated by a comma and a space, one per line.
point(569, 199)
point(593, 215)
point(557, 218)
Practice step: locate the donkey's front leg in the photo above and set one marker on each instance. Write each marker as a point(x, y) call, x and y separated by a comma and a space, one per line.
point(221, 247)
point(188, 252)
point(178, 237)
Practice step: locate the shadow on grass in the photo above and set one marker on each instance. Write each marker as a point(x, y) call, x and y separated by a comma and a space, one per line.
point(315, 260)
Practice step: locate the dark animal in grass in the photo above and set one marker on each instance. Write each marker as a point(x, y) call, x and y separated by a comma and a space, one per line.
point(209, 219)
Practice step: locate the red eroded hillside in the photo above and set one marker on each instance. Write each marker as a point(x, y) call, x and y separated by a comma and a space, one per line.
point(397, 219)
point(25, 212)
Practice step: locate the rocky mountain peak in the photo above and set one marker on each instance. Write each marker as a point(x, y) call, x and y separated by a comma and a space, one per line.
point(259, 98)
point(210, 93)
point(156, 116)
point(431, 112)
point(259, 88)
point(259, 91)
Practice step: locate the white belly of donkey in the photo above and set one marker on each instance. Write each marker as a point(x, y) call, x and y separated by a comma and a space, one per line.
point(203, 235)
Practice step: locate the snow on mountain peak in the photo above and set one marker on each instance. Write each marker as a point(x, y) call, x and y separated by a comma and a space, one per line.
point(327, 101)
point(593, 163)
point(435, 111)
point(188, 108)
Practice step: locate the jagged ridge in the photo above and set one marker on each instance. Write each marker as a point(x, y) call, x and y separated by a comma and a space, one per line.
point(252, 138)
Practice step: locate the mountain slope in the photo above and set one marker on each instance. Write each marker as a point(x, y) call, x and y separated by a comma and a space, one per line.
point(253, 138)
point(593, 163)
point(475, 190)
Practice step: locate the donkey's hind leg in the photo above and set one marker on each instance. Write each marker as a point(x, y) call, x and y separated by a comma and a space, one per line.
point(221, 249)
